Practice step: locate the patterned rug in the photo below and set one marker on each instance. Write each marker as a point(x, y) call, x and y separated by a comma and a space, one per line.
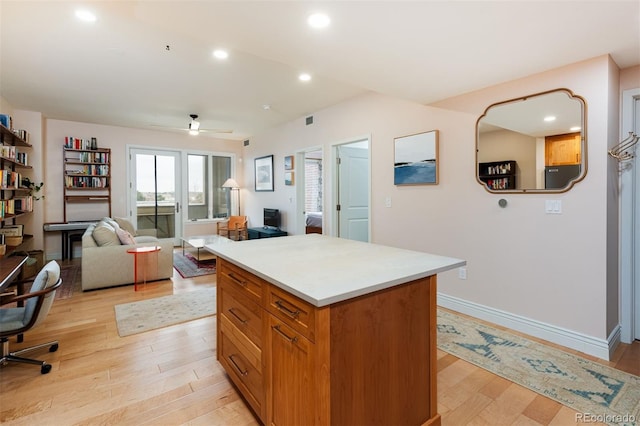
point(68, 274)
point(188, 267)
point(150, 314)
point(585, 386)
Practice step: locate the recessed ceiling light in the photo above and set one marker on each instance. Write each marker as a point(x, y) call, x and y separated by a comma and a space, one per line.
point(85, 15)
point(304, 77)
point(550, 118)
point(220, 54)
point(318, 20)
point(266, 107)
point(575, 128)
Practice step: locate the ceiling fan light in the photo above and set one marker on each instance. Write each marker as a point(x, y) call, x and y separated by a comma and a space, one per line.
point(194, 125)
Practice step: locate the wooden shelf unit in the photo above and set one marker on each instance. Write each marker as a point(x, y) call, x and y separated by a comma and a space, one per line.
point(498, 175)
point(9, 194)
point(87, 170)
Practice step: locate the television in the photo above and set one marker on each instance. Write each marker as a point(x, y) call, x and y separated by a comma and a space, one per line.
point(271, 218)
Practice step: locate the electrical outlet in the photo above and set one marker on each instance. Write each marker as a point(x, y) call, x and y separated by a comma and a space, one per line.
point(462, 273)
point(387, 202)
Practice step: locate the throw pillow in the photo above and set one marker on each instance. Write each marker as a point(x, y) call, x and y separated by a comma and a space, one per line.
point(105, 235)
point(126, 225)
point(125, 237)
point(110, 222)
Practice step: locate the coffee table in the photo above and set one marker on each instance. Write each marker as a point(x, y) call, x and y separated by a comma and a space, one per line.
point(199, 241)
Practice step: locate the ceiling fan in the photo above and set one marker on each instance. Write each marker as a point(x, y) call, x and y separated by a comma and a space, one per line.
point(194, 127)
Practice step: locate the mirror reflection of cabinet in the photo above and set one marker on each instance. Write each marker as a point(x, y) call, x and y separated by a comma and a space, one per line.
point(538, 132)
point(562, 150)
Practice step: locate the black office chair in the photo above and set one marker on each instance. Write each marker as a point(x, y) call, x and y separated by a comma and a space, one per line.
point(15, 321)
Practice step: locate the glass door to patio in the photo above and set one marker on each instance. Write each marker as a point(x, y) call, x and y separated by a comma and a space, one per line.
point(156, 191)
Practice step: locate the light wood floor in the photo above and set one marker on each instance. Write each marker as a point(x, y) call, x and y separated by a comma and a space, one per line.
point(170, 376)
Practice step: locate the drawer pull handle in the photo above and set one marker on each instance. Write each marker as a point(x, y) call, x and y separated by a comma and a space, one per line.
point(242, 373)
point(238, 280)
point(289, 312)
point(232, 312)
point(283, 334)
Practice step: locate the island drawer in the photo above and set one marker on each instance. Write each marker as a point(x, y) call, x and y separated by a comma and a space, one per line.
point(293, 311)
point(243, 373)
point(244, 313)
point(245, 281)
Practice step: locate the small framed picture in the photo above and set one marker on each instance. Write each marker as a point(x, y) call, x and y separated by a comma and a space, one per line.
point(264, 173)
point(288, 178)
point(416, 159)
point(288, 162)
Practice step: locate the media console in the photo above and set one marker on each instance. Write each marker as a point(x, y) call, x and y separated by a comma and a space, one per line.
point(256, 233)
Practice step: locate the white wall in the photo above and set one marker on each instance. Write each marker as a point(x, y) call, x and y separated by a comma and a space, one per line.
point(549, 270)
point(117, 139)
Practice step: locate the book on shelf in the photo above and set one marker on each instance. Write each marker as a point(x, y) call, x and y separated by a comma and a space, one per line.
point(12, 230)
point(22, 158)
point(6, 121)
point(9, 178)
point(71, 142)
point(22, 134)
point(77, 182)
point(24, 203)
point(8, 151)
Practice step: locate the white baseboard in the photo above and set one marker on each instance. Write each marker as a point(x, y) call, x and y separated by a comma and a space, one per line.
point(580, 342)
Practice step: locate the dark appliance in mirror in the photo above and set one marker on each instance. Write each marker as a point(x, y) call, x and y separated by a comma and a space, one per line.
point(271, 218)
point(558, 177)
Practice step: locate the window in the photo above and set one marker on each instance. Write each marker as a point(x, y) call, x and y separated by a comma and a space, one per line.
point(207, 198)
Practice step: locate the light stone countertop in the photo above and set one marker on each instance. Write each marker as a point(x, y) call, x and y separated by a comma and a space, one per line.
point(323, 270)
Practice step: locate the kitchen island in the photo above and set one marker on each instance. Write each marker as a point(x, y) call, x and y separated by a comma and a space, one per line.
point(321, 330)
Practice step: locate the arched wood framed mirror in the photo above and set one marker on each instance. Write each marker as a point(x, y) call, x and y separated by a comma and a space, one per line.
point(534, 144)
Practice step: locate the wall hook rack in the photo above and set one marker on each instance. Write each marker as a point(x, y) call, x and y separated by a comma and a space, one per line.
point(624, 150)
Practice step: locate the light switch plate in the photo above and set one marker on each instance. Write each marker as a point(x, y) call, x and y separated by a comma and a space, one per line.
point(553, 206)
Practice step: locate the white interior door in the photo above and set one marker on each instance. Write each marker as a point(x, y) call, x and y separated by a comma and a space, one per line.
point(635, 191)
point(353, 191)
point(155, 191)
point(630, 224)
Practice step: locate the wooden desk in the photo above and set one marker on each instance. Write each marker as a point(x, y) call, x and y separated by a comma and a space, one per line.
point(67, 229)
point(10, 269)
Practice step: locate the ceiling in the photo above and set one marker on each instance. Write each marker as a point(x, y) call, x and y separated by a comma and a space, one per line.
point(149, 64)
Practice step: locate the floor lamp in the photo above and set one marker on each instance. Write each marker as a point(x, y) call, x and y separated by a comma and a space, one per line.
point(232, 184)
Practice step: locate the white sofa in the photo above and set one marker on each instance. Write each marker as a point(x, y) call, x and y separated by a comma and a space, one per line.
point(106, 263)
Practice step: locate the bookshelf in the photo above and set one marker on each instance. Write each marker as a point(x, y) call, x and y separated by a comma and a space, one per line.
point(498, 175)
point(16, 200)
point(87, 174)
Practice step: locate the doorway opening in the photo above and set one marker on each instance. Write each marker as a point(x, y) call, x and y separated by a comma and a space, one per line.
point(310, 193)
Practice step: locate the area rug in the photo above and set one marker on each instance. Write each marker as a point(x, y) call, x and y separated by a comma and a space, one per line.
point(68, 273)
point(188, 267)
point(585, 386)
point(150, 314)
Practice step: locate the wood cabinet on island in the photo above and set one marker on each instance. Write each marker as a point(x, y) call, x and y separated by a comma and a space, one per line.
point(317, 330)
